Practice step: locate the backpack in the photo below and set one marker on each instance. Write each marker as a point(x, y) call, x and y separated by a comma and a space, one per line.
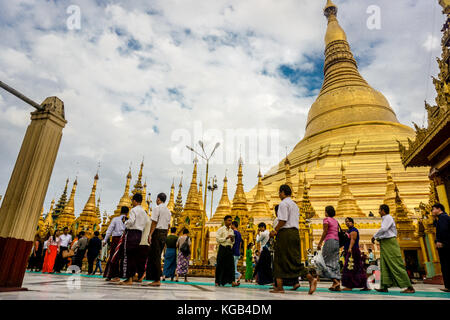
point(185, 248)
point(342, 236)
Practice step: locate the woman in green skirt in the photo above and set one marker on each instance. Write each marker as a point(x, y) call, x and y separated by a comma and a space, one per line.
point(249, 263)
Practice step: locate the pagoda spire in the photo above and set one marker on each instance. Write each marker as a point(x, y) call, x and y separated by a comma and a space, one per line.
point(88, 217)
point(200, 195)
point(145, 204)
point(192, 201)
point(389, 197)
point(125, 201)
point(301, 178)
point(224, 206)
point(287, 169)
point(239, 199)
point(48, 221)
point(178, 207)
point(347, 206)
point(305, 207)
point(138, 186)
point(260, 205)
point(171, 203)
point(67, 217)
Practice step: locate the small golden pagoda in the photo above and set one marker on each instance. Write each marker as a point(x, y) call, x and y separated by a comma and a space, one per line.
point(192, 215)
point(87, 221)
point(125, 200)
point(347, 206)
point(260, 206)
point(224, 206)
point(307, 212)
point(390, 196)
point(178, 210)
point(48, 221)
point(171, 203)
point(67, 217)
point(287, 170)
point(61, 203)
point(41, 223)
point(240, 212)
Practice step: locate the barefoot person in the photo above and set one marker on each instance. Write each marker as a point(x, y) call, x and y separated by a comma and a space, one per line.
point(287, 260)
point(236, 250)
point(354, 274)
point(184, 255)
point(133, 234)
point(330, 250)
point(225, 263)
point(115, 231)
point(393, 271)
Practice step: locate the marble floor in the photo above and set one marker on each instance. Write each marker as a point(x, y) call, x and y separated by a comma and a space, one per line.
point(83, 287)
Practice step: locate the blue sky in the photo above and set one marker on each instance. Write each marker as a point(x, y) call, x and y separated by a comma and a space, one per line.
point(138, 71)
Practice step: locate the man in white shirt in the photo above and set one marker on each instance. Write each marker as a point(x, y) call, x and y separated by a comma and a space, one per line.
point(287, 265)
point(393, 271)
point(144, 248)
point(157, 238)
point(64, 241)
point(225, 261)
point(115, 231)
point(133, 234)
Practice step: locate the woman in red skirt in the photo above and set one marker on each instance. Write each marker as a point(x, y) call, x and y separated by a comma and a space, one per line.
point(52, 251)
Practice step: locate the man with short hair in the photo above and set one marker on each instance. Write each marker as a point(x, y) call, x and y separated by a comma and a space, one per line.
point(287, 258)
point(115, 231)
point(93, 249)
point(263, 268)
point(64, 241)
point(161, 216)
point(442, 224)
point(393, 271)
point(133, 234)
point(236, 250)
point(80, 250)
point(225, 263)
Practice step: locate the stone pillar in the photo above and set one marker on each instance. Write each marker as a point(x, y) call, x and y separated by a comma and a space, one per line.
point(24, 197)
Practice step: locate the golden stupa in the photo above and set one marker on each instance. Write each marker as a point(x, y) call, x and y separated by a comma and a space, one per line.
point(350, 124)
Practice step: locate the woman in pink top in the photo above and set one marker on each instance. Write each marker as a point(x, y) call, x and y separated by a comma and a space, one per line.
point(330, 251)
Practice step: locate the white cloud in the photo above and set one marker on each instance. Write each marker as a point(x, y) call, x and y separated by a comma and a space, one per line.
point(165, 64)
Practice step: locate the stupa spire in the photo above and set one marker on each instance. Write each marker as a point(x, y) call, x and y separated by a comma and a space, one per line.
point(389, 197)
point(287, 169)
point(260, 205)
point(347, 206)
point(171, 203)
point(68, 216)
point(61, 203)
point(224, 206)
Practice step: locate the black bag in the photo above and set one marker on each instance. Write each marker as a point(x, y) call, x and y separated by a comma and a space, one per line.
point(185, 248)
point(342, 236)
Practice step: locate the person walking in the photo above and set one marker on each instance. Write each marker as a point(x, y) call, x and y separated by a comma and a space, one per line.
point(184, 254)
point(392, 267)
point(249, 263)
point(354, 274)
point(371, 256)
point(170, 257)
point(79, 249)
point(144, 248)
point(35, 261)
point(131, 239)
point(65, 240)
point(330, 251)
point(52, 251)
point(442, 224)
point(157, 239)
point(263, 265)
point(287, 265)
point(225, 272)
point(236, 250)
point(115, 231)
point(93, 251)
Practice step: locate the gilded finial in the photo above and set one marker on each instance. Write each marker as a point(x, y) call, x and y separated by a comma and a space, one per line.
point(330, 9)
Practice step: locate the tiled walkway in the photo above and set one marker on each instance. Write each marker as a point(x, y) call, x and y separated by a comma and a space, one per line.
point(67, 286)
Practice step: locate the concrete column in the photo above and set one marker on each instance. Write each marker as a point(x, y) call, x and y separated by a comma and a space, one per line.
point(24, 197)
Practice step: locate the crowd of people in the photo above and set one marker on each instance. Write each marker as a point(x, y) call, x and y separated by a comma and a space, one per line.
point(137, 243)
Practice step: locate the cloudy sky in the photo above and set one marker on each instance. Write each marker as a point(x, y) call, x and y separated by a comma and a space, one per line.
point(141, 79)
